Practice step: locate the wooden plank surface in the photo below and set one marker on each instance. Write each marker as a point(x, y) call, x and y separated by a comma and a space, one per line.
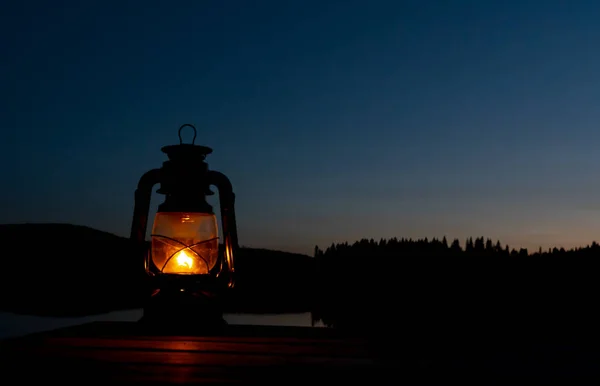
point(116, 351)
point(127, 353)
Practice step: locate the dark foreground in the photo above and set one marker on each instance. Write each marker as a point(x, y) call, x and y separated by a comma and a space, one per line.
point(125, 352)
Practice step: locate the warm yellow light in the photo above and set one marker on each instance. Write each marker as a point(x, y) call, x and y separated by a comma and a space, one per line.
point(184, 260)
point(185, 243)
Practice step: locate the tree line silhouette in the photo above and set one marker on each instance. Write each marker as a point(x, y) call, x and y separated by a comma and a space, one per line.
point(430, 287)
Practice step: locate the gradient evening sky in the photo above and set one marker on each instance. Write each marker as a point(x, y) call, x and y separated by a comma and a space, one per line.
point(335, 120)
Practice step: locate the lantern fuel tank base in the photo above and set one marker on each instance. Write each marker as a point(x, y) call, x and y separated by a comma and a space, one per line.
point(180, 311)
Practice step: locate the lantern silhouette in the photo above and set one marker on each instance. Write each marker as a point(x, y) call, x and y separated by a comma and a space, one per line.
point(185, 263)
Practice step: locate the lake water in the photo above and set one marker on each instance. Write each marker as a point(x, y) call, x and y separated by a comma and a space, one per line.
point(12, 325)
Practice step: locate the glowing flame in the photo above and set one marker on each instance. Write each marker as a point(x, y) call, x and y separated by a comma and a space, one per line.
point(184, 260)
point(186, 218)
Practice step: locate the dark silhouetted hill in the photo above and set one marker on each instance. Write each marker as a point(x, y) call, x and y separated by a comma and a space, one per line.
point(71, 270)
point(271, 281)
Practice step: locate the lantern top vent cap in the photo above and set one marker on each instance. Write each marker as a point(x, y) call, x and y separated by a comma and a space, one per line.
point(187, 151)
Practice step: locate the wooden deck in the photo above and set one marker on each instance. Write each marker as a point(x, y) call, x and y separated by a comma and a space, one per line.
point(124, 352)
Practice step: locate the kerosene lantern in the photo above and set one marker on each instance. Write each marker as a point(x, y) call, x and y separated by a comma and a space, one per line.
point(187, 269)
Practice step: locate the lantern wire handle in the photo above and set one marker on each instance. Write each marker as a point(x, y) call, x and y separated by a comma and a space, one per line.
point(189, 125)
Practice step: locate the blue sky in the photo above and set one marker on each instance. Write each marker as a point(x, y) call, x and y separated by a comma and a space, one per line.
point(335, 120)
